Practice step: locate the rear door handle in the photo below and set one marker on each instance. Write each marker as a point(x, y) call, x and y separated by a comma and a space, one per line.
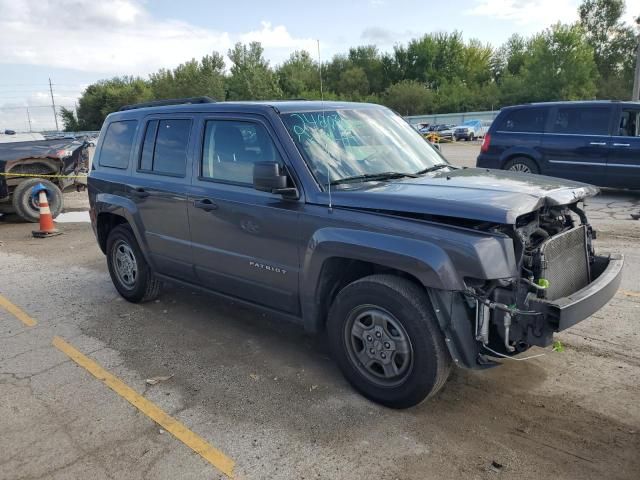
point(140, 193)
point(205, 204)
point(621, 144)
point(599, 144)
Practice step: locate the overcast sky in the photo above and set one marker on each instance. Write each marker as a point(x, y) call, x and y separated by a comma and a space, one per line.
point(76, 42)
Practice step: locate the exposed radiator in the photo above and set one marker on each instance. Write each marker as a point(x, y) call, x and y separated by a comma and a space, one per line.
point(564, 262)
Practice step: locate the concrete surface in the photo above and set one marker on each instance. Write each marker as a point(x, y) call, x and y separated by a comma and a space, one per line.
point(269, 396)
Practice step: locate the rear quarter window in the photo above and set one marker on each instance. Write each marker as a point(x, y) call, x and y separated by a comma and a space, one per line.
point(523, 120)
point(117, 144)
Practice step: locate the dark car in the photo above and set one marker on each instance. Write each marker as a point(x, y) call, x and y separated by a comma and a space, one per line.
point(341, 217)
point(596, 142)
point(60, 165)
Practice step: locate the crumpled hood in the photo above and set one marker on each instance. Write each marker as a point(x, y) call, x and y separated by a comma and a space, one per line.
point(473, 193)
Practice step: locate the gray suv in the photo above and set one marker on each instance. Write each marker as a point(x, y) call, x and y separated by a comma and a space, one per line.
point(342, 218)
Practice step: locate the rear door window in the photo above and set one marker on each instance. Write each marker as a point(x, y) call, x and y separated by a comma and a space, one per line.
point(117, 144)
point(582, 120)
point(526, 120)
point(164, 150)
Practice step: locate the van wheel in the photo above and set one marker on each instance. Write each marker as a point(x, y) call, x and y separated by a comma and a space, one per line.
point(385, 339)
point(522, 165)
point(27, 207)
point(130, 272)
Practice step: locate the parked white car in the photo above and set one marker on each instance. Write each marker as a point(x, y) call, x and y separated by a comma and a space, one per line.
point(471, 129)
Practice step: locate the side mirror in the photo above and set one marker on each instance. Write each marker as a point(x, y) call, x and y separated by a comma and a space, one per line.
point(267, 177)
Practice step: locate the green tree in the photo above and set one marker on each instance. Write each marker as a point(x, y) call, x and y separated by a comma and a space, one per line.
point(353, 83)
point(191, 79)
point(559, 65)
point(106, 96)
point(613, 44)
point(370, 61)
point(298, 74)
point(408, 97)
point(251, 77)
point(69, 120)
point(509, 58)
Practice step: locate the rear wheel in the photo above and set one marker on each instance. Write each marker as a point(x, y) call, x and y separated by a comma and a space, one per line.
point(522, 165)
point(387, 342)
point(27, 207)
point(130, 272)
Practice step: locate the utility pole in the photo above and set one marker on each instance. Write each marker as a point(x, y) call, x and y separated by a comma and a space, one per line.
point(29, 118)
point(636, 79)
point(53, 105)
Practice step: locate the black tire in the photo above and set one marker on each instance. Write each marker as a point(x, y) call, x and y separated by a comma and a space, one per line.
point(142, 286)
point(408, 305)
point(522, 165)
point(24, 204)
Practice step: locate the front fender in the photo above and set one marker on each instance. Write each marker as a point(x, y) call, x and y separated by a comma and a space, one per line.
point(426, 261)
point(441, 261)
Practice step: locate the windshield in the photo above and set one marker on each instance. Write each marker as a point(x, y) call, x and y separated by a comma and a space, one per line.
point(360, 144)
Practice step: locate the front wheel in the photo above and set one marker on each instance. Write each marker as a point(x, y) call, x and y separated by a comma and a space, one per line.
point(130, 273)
point(387, 342)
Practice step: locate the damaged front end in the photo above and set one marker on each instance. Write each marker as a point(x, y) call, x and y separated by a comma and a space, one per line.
point(561, 282)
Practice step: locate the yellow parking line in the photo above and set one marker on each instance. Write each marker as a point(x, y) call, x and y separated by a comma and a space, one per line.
point(629, 293)
point(199, 445)
point(17, 312)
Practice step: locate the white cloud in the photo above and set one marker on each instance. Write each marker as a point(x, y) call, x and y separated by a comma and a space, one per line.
point(532, 13)
point(119, 37)
point(278, 38)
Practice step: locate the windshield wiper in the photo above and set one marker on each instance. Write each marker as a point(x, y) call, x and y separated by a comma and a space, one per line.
point(433, 168)
point(372, 177)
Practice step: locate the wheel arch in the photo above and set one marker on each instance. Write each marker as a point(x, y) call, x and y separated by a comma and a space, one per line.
point(512, 154)
point(341, 256)
point(108, 211)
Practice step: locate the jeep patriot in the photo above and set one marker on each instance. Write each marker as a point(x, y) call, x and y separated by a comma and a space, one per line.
point(342, 218)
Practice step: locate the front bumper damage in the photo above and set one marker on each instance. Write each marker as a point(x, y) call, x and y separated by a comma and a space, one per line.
point(565, 312)
point(475, 330)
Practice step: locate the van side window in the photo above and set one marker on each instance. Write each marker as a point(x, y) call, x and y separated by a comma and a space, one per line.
point(231, 148)
point(582, 120)
point(630, 123)
point(530, 120)
point(117, 144)
point(164, 150)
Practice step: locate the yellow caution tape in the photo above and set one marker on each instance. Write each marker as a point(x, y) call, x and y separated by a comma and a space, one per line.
point(40, 176)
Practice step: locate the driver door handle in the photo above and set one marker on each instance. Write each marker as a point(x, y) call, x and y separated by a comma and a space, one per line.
point(205, 204)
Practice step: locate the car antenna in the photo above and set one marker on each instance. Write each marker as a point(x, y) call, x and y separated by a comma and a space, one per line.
point(324, 121)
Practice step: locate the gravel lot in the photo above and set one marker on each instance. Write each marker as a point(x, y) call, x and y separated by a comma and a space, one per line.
point(269, 397)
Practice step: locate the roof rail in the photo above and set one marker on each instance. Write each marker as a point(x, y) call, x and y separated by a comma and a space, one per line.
point(171, 101)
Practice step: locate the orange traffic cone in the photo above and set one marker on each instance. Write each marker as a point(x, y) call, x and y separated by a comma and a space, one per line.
point(47, 229)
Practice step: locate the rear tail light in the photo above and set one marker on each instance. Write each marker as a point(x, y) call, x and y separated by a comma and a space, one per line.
point(486, 143)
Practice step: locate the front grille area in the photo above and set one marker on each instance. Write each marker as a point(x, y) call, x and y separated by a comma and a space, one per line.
point(564, 262)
